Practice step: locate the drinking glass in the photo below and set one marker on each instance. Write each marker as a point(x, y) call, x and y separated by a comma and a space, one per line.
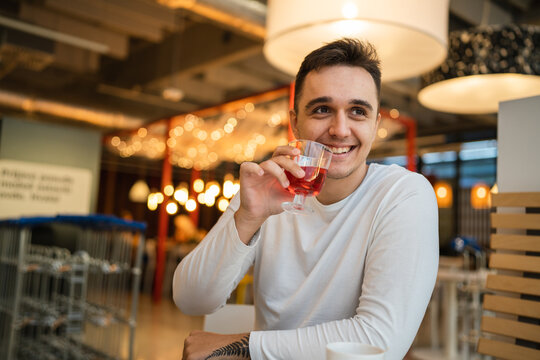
point(314, 159)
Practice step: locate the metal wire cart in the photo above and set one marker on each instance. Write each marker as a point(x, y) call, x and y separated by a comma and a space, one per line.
point(69, 287)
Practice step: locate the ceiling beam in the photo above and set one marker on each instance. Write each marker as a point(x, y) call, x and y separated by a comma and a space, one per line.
point(115, 16)
point(117, 43)
point(199, 47)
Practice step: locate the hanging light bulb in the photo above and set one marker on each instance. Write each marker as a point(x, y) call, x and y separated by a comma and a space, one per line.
point(139, 191)
point(480, 196)
point(443, 192)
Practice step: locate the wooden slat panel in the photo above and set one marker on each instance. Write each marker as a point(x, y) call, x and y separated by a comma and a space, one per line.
point(516, 221)
point(515, 262)
point(515, 242)
point(511, 328)
point(513, 306)
point(508, 351)
point(522, 199)
point(513, 284)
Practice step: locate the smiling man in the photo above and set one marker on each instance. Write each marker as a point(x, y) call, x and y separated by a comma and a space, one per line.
point(361, 267)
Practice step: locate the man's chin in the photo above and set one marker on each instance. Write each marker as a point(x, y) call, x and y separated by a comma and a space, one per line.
point(338, 175)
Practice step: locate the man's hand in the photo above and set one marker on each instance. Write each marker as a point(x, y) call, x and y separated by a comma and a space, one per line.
point(201, 345)
point(263, 190)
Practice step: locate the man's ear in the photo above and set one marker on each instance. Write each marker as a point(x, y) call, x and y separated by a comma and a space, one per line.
point(293, 121)
point(377, 123)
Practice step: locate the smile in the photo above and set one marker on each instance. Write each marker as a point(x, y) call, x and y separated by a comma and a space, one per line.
point(341, 150)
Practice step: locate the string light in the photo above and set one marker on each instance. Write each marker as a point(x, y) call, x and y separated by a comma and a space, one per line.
point(223, 204)
point(198, 185)
point(228, 189)
point(142, 132)
point(152, 202)
point(181, 195)
point(213, 188)
point(191, 205)
point(195, 142)
point(201, 198)
point(209, 199)
point(168, 190)
point(171, 208)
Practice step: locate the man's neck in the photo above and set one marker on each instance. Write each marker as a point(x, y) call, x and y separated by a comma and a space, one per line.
point(335, 190)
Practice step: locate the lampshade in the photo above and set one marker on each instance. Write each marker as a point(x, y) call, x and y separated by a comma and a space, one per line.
point(139, 192)
point(410, 36)
point(485, 65)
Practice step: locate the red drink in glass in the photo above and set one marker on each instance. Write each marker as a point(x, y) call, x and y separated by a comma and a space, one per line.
point(314, 159)
point(309, 185)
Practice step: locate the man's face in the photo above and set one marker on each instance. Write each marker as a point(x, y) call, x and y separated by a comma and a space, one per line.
point(338, 107)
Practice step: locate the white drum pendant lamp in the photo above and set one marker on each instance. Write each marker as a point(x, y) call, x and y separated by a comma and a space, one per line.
point(410, 36)
point(485, 65)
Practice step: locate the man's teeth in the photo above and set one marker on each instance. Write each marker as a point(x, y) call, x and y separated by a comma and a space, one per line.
point(340, 150)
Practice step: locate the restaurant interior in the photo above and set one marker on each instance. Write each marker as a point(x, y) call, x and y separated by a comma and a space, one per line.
point(123, 124)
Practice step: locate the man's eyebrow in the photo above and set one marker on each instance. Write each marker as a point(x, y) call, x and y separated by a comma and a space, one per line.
point(321, 99)
point(327, 99)
point(362, 103)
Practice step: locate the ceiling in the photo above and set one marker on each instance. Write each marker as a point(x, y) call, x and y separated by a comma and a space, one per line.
point(105, 64)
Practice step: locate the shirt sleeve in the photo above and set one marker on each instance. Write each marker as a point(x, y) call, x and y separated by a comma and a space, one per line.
point(399, 276)
point(206, 277)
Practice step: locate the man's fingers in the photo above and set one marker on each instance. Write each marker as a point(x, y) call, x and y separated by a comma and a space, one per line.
point(251, 168)
point(290, 165)
point(271, 167)
point(286, 150)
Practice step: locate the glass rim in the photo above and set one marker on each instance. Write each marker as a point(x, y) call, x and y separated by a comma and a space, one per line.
point(324, 147)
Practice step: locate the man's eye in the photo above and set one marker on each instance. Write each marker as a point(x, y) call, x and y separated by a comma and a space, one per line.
point(321, 110)
point(359, 111)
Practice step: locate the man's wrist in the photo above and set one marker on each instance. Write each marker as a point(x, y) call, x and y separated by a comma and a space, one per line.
point(238, 350)
point(246, 225)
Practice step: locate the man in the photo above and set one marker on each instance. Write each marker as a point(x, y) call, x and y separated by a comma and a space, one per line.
point(360, 267)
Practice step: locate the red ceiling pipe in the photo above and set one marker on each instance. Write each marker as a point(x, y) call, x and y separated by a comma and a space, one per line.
point(194, 215)
point(290, 134)
point(410, 125)
point(163, 222)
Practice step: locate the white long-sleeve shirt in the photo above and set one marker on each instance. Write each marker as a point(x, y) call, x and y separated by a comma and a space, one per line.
point(361, 269)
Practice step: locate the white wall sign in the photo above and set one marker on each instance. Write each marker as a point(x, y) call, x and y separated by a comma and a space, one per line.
point(30, 189)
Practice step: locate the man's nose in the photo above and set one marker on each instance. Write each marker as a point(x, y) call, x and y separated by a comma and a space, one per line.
point(339, 126)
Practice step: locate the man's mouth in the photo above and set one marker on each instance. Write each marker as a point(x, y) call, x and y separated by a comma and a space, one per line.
point(341, 150)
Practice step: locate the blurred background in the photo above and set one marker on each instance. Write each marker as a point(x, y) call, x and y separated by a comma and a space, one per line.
point(143, 111)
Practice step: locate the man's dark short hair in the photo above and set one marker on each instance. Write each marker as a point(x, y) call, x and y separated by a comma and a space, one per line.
point(348, 52)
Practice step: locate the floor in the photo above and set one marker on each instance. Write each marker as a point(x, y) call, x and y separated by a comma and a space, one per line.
point(161, 330)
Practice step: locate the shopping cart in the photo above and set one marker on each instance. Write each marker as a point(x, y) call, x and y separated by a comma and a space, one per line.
point(78, 301)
